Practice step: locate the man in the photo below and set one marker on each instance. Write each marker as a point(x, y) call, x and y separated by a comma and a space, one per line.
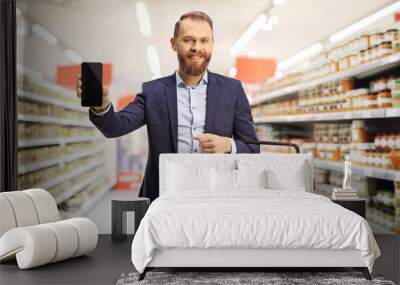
point(191, 111)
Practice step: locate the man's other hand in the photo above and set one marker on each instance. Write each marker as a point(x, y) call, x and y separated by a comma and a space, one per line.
point(210, 143)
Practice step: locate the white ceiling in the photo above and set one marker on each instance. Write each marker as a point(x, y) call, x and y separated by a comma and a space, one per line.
point(107, 31)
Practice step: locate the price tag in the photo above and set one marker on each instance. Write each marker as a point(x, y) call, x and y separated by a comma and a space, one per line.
point(397, 176)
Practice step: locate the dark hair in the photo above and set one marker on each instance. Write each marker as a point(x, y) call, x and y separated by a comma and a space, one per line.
point(195, 15)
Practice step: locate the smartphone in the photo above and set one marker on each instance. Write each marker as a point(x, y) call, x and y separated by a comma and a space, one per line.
point(92, 84)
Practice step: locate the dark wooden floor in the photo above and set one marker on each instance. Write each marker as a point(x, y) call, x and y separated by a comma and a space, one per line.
point(110, 260)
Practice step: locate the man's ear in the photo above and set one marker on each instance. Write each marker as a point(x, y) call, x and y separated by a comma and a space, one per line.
point(173, 43)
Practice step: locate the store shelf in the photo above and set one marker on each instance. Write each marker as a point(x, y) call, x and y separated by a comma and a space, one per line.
point(77, 188)
point(360, 71)
point(392, 112)
point(56, 141)
point(52, 101)
point(60, 179)
point(374, 172)
point(393, 175)
point(86, 207)
point(52, 120)
point(334, 116)
point(46, 163)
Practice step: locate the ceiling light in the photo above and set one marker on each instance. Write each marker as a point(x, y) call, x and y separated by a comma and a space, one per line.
point(143, 19)
point(246, 37)
point(232, 72)
point(44, 34)
point(342, 34)
point(267, 27)
point(300, 56)
point(152, 58)
point(73, 56)
point(278, 2)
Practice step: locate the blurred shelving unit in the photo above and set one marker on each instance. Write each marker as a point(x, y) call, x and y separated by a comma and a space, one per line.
point(59, 149)
point(378, 180)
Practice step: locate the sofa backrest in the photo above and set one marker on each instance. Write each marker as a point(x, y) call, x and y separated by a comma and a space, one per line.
point(297, 166)
point(26, 208)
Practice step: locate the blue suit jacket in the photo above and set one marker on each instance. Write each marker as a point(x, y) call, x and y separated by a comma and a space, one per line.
point(227, 114)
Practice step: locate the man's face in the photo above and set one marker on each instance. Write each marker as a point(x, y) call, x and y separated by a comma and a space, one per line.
point(193, 46)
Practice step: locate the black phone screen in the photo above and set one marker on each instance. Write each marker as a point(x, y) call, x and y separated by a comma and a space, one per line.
point(92, 84)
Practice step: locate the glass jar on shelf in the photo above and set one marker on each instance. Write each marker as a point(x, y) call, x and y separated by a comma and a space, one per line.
point(371, 102)
point(384, 49)
point(395, 153)
point(384, 99)
point(361, 56)
point(396, 43)
point(390, 35)
point(359, 132)
point(396, 98)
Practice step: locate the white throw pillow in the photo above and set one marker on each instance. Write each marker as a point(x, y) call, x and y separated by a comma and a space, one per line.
point(223, 179)
point(251, 178)
point(291, 181)
point(282, 173)
point(183, 177)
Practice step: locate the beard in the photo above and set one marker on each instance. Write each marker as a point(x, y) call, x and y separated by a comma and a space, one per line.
point(193, 68)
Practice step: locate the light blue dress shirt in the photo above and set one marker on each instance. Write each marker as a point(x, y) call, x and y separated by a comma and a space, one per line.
point(191, 102)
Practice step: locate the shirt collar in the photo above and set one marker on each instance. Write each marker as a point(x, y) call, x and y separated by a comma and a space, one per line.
point(180, 83)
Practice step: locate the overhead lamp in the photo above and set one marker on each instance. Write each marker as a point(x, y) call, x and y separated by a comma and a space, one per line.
point(143, 19)
point(152, 58)
point(300, 56)
point(248, 35)
point(278, 2)
point(342, 34)
point(44, 34)
point(73, 56)
point(267, 27)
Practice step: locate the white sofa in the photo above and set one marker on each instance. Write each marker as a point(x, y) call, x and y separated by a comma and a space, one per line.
point(31, 231)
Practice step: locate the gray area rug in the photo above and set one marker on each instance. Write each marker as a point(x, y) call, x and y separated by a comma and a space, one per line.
point(230, 278)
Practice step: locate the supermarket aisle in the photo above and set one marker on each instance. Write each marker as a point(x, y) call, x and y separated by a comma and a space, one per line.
point(101, 213)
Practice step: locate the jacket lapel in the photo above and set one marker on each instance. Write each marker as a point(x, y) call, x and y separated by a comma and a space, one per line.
point(170, 93)
point(211, 103)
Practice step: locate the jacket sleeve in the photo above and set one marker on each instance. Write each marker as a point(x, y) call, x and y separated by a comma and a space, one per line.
point(243, 125)
point(115, 124)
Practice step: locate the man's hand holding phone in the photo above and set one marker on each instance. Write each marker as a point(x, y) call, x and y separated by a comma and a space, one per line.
point(106, 100)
